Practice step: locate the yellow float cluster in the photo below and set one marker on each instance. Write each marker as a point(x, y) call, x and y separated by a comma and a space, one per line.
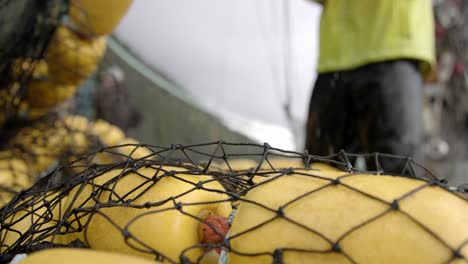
point(39, 86)
point(294, 213)
point(71, 56)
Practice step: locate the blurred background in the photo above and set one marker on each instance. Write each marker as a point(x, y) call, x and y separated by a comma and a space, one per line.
point(188, 72)
point(247, 68)
point(248, 64)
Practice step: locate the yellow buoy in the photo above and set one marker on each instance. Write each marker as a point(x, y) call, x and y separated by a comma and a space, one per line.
point(81, 256)
point(72, 59)
point(14, 176)
point(328, 217)
point(46, 94)
point(96, 18)
point(158, 225)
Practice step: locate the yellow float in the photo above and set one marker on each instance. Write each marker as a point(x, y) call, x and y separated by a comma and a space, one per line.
point(151, 223)
point(46, 94)
point(96, 18)
point(110, 135)
point(81, 256)
point(328, 217)
point(43, 144)
point(72, 59)
point(37, 69)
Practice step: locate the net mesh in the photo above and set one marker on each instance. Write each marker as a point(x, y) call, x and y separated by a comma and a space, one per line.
point(133, 205)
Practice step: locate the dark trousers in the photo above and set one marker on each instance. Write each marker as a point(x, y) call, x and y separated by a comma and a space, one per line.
point(374, 108)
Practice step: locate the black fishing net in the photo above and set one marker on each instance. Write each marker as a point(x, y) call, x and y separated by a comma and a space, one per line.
point(282, 207)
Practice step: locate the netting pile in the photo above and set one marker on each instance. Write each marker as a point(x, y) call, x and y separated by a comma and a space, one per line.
point(39, 148)
point(48, 49)
point(27, 28)
point(258, 204)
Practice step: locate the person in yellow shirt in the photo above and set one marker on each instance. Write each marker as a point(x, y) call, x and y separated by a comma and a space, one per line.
point(374, 56)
